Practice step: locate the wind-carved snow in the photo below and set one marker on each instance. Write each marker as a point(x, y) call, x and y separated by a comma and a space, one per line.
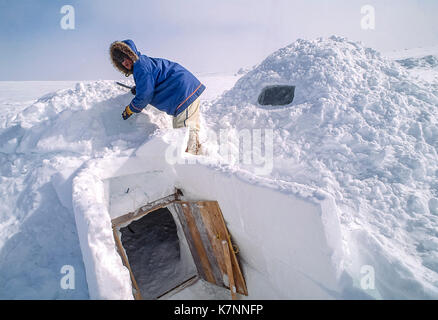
point(361, 129)
point(422, 63)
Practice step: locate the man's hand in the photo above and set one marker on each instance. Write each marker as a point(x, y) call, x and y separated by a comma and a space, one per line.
point(127, 113)
point(133, 91)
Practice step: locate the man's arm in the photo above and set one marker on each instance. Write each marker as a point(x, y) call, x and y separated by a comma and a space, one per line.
point(144, 87)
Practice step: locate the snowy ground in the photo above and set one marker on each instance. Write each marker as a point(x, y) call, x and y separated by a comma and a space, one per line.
point(422, 63)
point(362, 129)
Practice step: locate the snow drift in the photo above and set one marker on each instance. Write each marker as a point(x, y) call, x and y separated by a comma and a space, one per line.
point(353, 180)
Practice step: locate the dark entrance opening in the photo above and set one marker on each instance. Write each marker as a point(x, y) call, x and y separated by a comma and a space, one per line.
point(276, 95)
point(153, 250)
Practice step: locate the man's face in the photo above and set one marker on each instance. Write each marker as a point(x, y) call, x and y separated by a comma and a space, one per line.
point(127, 63)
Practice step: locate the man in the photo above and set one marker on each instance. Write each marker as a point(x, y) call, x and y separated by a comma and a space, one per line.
point(162, 83)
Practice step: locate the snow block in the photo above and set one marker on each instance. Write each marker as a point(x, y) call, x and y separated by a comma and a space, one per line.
point(107, 278)
point(292, 242)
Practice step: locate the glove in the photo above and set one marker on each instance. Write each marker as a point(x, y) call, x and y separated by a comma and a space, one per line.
point(127, 113)
point(133, 91)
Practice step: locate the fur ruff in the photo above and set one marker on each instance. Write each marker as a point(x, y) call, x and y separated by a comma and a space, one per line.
point(123, 47)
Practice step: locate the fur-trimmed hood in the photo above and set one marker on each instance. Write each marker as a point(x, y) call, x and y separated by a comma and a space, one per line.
point(165, 84)
point(127, 47)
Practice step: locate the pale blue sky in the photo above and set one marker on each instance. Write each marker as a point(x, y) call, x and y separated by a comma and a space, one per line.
point(203, 35)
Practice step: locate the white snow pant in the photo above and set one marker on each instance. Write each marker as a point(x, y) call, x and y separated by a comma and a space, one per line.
point(190, 118)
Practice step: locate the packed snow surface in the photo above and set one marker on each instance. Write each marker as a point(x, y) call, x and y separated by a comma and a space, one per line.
point(362, 129)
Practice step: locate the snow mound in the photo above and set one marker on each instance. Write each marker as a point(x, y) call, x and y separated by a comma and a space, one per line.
point(363, 130)
point(424, 68)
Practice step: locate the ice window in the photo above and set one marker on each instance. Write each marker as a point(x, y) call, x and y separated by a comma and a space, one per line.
point(276, 95)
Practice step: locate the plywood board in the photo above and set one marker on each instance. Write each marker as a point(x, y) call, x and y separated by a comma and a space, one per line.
point(205, 230)
point(121, 251)
point(143, 210)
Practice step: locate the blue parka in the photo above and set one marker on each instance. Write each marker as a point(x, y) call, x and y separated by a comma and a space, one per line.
point(166, 85)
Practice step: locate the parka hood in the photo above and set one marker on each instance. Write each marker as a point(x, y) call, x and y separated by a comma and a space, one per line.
point(127, 47)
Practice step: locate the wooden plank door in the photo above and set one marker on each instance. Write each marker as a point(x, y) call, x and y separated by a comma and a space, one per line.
point(205, 228)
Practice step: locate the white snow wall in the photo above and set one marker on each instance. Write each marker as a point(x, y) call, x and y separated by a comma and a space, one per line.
point(288, 235)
